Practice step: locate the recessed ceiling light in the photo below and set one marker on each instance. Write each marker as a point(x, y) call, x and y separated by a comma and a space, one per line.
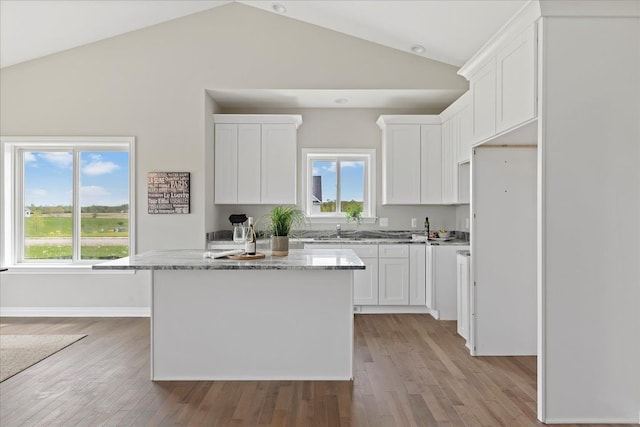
point(417, 49)
point(341, 101)
point(279, 8)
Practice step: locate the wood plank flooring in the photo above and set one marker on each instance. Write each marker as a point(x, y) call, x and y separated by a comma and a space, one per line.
point(410, 370)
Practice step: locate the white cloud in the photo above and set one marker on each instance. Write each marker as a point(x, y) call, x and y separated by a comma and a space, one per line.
point(98, 167)
point(61, 159)
point(29, 157)
point(315, 171)
point(351, 164)
point(331, 168)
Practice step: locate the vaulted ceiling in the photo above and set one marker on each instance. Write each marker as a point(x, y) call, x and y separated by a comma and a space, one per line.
point(449, 30)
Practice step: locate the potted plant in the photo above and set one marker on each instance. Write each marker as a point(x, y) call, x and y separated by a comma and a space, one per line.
point(353, 212)
point(280, 221)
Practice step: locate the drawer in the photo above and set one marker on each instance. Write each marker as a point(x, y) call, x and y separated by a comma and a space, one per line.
point(393, 251)
point(363, 251)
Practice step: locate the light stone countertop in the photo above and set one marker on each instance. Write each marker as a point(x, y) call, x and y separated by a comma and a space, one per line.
point(192, 259)
point(351, 241)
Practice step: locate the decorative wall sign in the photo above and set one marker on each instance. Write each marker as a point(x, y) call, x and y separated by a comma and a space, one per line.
point(168, 192)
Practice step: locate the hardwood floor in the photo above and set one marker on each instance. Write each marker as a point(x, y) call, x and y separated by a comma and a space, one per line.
point(410, 370)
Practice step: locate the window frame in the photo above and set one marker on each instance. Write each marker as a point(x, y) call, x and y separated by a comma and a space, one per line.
point(339, 155)
point(12, 194)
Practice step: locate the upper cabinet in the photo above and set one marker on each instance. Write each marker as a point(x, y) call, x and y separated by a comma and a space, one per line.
point(483, 94)
point(411, 160)
point(516, 81)
point(502, 80)
point(255, 158)
point(456, 148)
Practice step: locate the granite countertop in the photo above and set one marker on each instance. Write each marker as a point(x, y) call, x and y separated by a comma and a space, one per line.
point(192, 259)
point(358, 241)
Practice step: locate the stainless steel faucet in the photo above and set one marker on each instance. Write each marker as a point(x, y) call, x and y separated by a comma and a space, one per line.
point(338, 229)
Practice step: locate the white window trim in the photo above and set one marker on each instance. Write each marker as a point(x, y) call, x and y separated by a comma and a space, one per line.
point(309, 154)
point(11, 207)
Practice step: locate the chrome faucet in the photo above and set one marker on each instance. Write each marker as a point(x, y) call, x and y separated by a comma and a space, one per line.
point(338, 229)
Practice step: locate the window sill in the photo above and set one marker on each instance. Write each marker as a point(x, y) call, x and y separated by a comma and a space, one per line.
point(59, 269)
point(338, 220)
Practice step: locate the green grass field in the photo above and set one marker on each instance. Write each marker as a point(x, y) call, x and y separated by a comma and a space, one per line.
point(86, 252)
point(104, 225)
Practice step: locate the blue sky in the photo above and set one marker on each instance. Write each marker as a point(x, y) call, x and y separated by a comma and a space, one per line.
point(48, 178)
point(351, 179)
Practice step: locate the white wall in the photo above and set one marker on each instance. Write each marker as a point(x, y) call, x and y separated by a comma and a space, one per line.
point(151, 84)
point(345, 128)
point(590, 206)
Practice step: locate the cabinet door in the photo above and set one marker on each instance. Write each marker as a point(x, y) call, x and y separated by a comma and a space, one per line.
point(483, 88)
point(449, 162)
point(279, 154)
point(249, 163)
point(365, 283)
point(431, 164)
point(516, 80)
point(428, 279)
point(417, 275)
point(465, 118)
point(393, 282)
point(463, 296)
point(226, 163)
point(401, 165)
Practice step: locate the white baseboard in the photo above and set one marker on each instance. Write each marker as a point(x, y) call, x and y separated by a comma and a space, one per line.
point(390, 309)
point(75, 312)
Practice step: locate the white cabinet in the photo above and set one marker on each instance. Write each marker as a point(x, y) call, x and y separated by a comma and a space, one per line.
point(449, 162)
point(464, 122)
point(249, 142)
point(430, 164)
point(255, 159)
point(444, 281)
point(393, 277)
point(428, 279)
point(278, 164)
point(365, 282)
point(411, 160)
point(516, 81)
point(401, 165)
point(226, 163)
point(463, 311)
point(483, 90)
point(503, 89)
point(417, 275)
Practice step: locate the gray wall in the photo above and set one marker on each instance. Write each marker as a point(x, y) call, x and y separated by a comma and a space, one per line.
point(151, 84)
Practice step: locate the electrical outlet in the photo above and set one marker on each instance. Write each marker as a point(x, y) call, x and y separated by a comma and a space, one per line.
point(414, 222)
point(384, 222)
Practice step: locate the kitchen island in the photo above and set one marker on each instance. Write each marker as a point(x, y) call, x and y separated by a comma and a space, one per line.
point(277, 318)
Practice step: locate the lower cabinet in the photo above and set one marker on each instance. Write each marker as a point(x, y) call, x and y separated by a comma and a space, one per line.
point(444, 288)
point(393, 275)
point(410, 275)
point(417, 275)
point(365, 282)
point(463, 296)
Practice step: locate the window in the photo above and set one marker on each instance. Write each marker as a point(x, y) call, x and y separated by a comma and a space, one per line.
point(67, 200)
point(335, 179)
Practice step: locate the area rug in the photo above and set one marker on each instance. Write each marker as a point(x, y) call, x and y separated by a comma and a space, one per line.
point(18, 352)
